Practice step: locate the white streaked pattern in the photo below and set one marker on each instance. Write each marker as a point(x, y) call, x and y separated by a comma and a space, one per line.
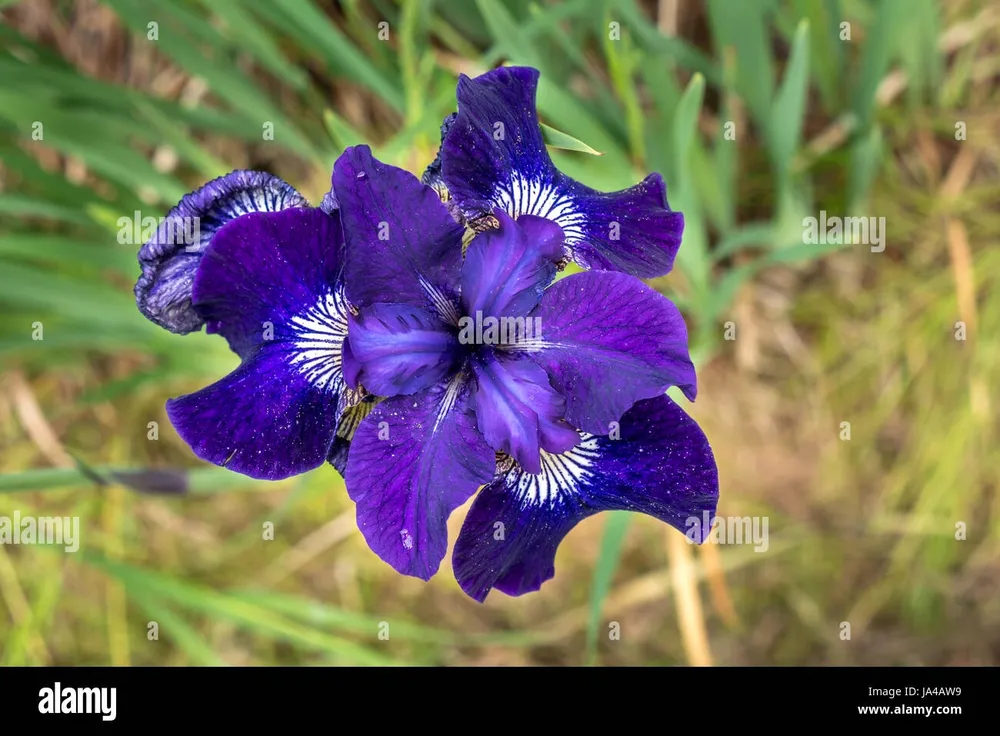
point(445, 309)
point(317, 337)
point(561, 474)
point(527, 197)
point(262, 196)
point(530, 346)
point(451, 392)
point(256, 200)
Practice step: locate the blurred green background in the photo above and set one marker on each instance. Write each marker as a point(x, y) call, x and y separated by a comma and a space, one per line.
point(840, 398)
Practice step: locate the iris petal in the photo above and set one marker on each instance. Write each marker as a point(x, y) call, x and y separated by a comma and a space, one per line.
point(413, 461)
point(271, 272)
point(494, 156)
point(517, 410)
point(402, 245)
point(170, 259)
point(265, 419)
point(661, 465)
point(269, 283)
point(608, 340)
point(507, 269)
point(400, 349)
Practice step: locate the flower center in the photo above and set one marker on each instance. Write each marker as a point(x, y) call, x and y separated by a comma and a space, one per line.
point(498, 331)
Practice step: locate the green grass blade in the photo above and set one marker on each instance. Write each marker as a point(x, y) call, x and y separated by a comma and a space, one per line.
point(250, 36)
point(200, 481)
point(622, 64)
point(21, 206)
point(921, 59)
point(342, 133)
point(252, 618)
point(509, 39)
point(175, 38)
point(743, 26)
point(755, 233)
point(866, 156)
point(692, 257)
point(557, 139)
point(323, 615)
point(676, 50)
point(312, 30)
point(615, 529)
point(788, 111)
point(882, 39)
point(175, 628)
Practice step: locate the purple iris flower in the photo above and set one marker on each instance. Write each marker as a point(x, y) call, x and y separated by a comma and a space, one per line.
point(493, 155)
point(549, 393)
point(444, 364)
point(248, 258)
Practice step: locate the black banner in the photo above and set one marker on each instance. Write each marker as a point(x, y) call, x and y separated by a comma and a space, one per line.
point(678, 697)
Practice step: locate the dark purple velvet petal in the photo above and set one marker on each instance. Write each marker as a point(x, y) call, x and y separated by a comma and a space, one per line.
point(269, 283)
point(507, 269)
point(348, 363)
point(494, 156)
point(400, 349)
point(517, 410)
point(270, 276)
point(170, 259)
point(402, 245)
point(633, 230)
point(660, 465)
point(608, 340)
point(413, 461)
point(266, 419)
point(495, 144)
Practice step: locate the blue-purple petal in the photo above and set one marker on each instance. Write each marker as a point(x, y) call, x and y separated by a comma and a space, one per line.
point(661, 465)
point(506, 269)
point(517, 410)
point(607, 341)
point(170, 259)
point(402, 245)
point(265, 419)
point(349, 365)
point(494, 156)
point(399, 349)
point(413, 461)
point(269, 283)
point(631, 230)
point(269, 276)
